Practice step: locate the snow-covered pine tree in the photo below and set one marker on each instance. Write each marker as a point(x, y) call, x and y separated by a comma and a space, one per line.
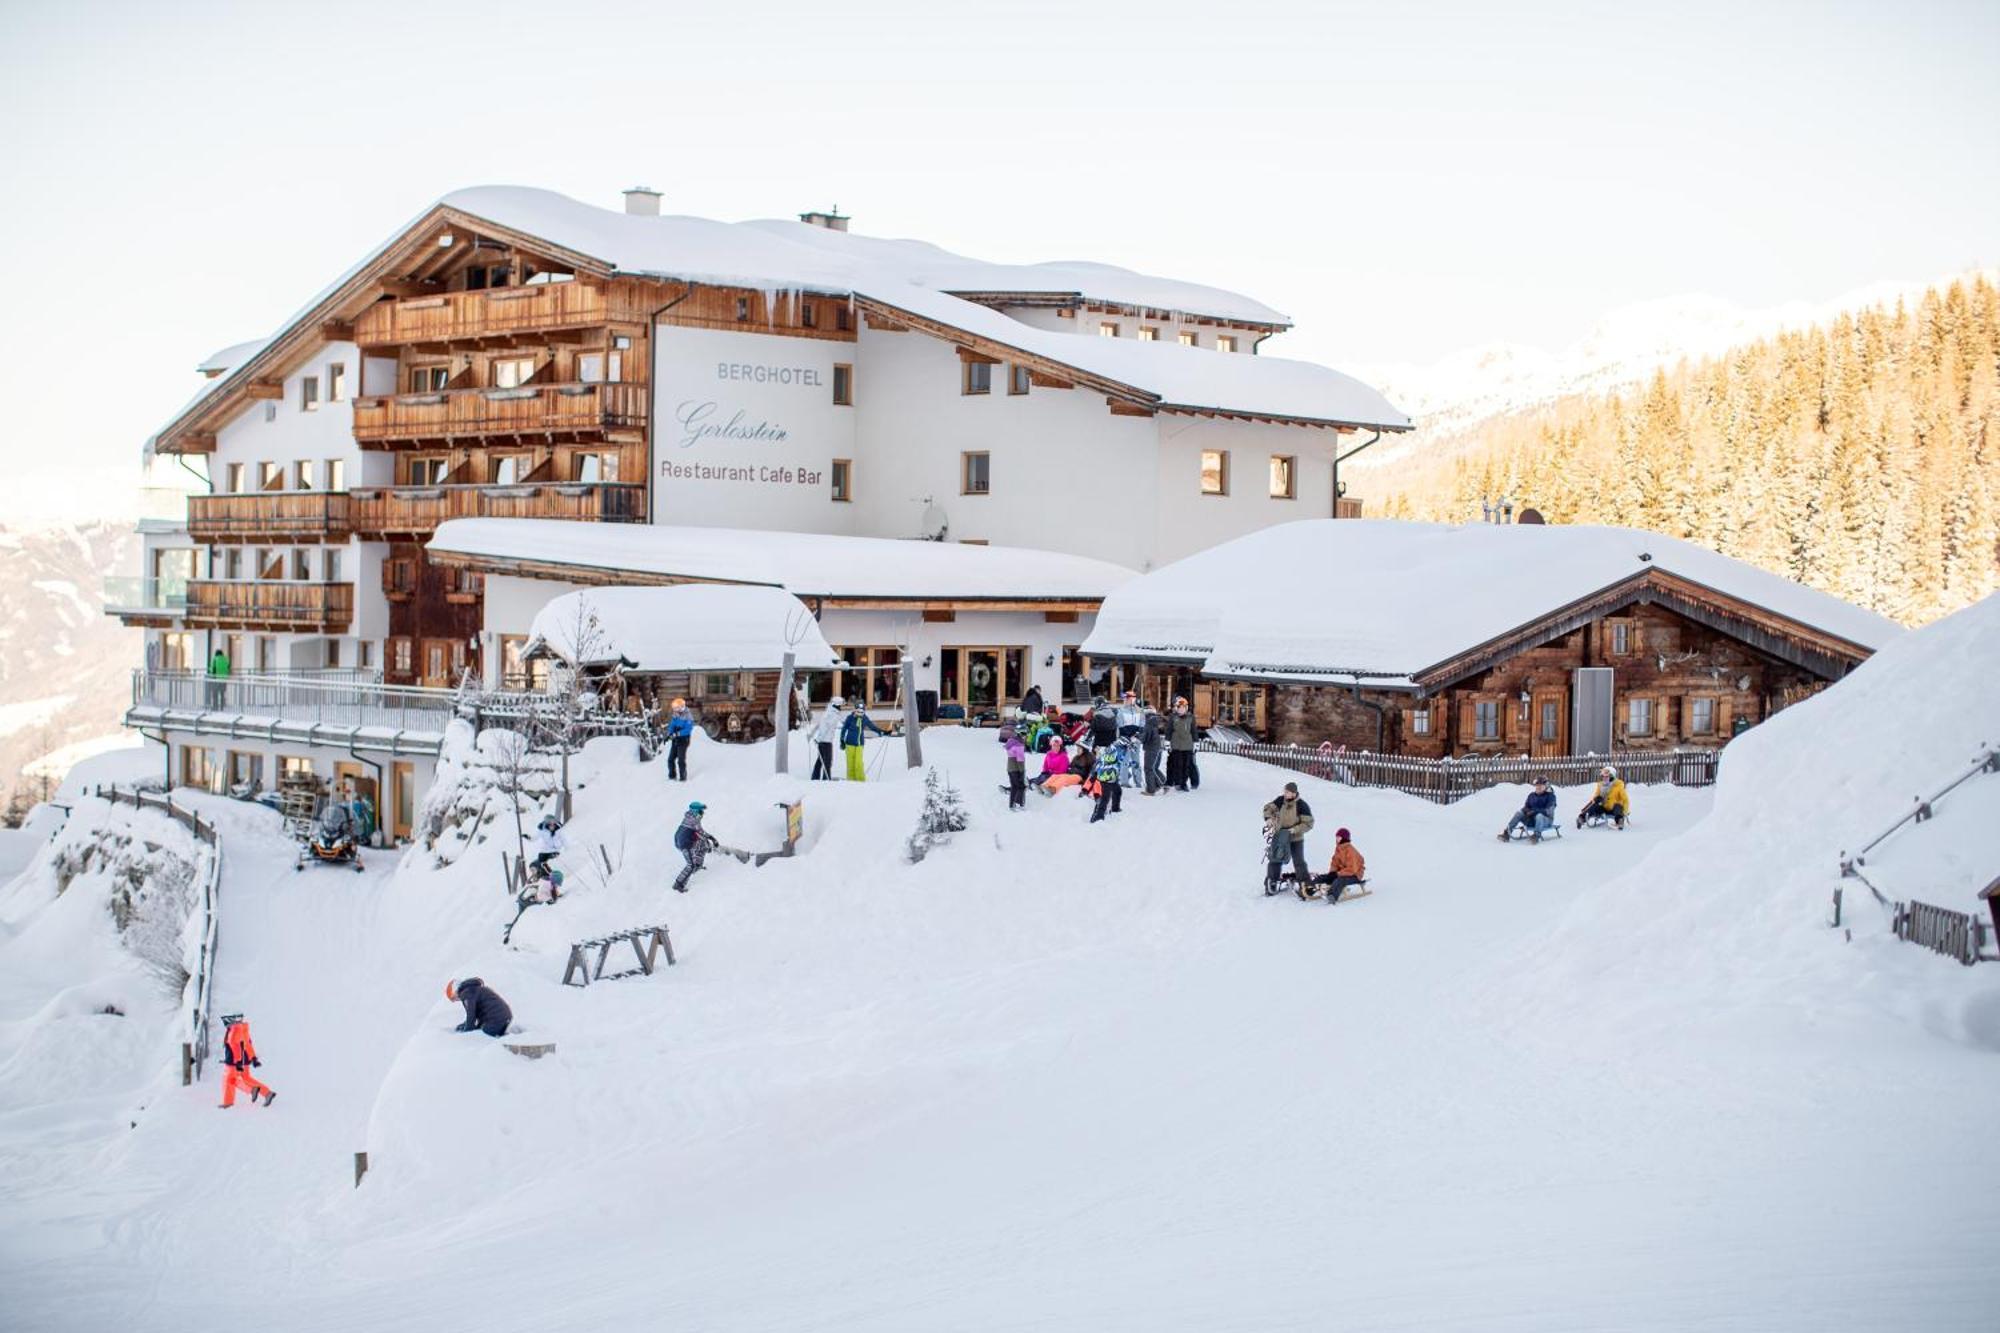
point(943, 815)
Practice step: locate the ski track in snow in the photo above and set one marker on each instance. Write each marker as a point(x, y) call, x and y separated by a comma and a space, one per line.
point(1059, 1076)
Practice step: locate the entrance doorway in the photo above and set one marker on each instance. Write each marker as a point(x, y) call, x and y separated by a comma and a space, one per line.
point(351, 782)
point(1590, 710)
point(402, 816)
point(981, 679)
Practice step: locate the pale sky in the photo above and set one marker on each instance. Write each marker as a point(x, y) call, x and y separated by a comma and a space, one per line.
point(1403, 179)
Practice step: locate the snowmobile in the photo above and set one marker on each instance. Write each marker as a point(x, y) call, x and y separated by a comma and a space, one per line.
point(332, 841)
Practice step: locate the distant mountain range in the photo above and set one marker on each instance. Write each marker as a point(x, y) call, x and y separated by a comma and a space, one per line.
point(65, 666)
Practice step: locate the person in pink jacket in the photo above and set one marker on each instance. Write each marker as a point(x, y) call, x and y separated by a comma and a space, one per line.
point(1054, 764)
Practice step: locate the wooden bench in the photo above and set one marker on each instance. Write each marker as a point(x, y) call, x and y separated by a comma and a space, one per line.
point(648, 942)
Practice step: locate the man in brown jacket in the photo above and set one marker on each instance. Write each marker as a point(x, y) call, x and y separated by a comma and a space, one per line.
point(1287, 820)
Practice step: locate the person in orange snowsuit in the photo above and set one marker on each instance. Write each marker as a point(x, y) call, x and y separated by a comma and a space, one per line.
point(239, 1056)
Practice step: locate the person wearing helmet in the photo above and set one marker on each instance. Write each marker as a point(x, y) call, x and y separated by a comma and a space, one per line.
point(825, 733)
point(239, 1057)
point(1537, 815)
point(693, 842)
point(485, 1011)
point(1607, 800)
point(680, 730)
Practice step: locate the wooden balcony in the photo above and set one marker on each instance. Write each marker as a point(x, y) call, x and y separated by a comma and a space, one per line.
point(540, 413)
point(501, 317)
point(289, 516)
point(407, 513)
point(269, 604)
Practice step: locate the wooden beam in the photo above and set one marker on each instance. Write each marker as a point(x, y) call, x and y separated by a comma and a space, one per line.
point(1040, 381)
point(409, 289)
point(1120, 408)
point(337, 330)
point(264, 389)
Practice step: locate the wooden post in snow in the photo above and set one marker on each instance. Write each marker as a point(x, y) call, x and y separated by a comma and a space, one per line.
point(785, 711)
point(913, 732)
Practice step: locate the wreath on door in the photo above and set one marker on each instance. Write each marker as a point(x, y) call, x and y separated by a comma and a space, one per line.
point(982, 675)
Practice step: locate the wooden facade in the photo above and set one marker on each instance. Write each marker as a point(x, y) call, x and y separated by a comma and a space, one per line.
point(269, 604)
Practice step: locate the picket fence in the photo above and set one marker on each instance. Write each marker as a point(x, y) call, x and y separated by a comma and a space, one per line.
point(1447, 780)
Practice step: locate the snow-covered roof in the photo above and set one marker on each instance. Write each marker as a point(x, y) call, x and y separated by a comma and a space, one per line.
point(689, 627)
point(807, 564)
point(232, 356)
point(918, 278)
point(1329, 600)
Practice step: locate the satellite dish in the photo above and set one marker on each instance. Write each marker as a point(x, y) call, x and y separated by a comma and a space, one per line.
point(934, 524)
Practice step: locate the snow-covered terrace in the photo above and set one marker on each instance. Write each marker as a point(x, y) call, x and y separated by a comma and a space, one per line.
point(687, 627)
point(1382, 603)
point(805, 564)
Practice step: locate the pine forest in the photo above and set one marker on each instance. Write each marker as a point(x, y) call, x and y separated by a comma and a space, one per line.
point(1861, 457)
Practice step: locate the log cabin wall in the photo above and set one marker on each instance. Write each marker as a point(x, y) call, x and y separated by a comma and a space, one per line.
point(1701, 685)
point(435, 611)
point(750, 310)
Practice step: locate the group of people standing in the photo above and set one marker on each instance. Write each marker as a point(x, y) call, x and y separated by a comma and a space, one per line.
point(1114, 748)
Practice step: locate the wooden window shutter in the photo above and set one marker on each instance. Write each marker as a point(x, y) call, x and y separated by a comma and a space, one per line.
point(1468, 719)
point(1722, 717)
point(1687, 715)
point(1204, 705)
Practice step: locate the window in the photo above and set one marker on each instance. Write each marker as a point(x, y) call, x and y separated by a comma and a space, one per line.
point(843, 385)
point(429, 379)
point(1148, 334)
point(267, 653)
point(270, 411)
point(246, 770)
point(302, 475)
point(508, 469)
point(1215, 472)
point(742, 309)
point(427, 471)
point(364, 654)
point(1107, 330)
point(1701, 717)
point(294, 766)
point(301, 565)
point(808, 316)
point(233, 479)
point(718, 685)
point(1225, 342)
point(843, 317)
point(271, 565)
point(402, 657)
point(614, 367)
point(1420, 721)
point(596, 467)
point(270, 476)
point(1284, 477)
point(329, 567)
point(1639, 717)
point(232, 568)
point(843, 479)
point(1486, 720)
point(1240, 706)
point(1189, 339)
point(475, 279)
point(336, 474)
point(978, 377)
point(434, 660)
point(512, 372)
point(1551, 720)
point(308, 393)
point(336, 382)
point(195, 769)
point(332, 649)
point(1625, 637)
point(590, 367)
point(175, 652)
point(1018, 380)
point(975, 473)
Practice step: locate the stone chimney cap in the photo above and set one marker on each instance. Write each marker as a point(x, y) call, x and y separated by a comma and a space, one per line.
point(643, 201)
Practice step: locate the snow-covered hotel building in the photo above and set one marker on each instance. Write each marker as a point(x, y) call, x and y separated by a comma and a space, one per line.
point(518, 393)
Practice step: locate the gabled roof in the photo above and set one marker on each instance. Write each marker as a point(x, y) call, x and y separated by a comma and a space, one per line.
point(806, 564)
point(898, 276)
point(692, 627)
point(1419, 605)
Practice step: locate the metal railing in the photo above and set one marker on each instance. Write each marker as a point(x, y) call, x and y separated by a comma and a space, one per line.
point(1920, 809)
point(194, 1051)
point(330, 699)
point(1447, 780)
point(133, 593)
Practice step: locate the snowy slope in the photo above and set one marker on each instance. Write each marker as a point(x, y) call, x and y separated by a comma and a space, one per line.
point(1071, 1076)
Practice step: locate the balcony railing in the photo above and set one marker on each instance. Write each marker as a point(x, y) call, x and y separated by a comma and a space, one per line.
point(283, 515)
point(502, 314)
point(413, 511)
point(270, 603)
point(329, 699)
point(576, 411)
point(135, 596)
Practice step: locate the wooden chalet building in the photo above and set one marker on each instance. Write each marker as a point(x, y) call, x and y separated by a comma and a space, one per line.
point(1433, 640)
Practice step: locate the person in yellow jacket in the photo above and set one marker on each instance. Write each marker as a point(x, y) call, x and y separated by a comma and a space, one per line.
point(1608, 798)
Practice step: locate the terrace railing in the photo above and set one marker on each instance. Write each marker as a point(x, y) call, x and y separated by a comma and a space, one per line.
point(332, 699)
point(1447, 780)
point(132, 594)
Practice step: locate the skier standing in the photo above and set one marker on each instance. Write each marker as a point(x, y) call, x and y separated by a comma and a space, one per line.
point(485, 1011)
point(693, 842)
point(680, 730)
point(853, 731)
point(825, 734)
point(239, 1057)
point(1287, 819)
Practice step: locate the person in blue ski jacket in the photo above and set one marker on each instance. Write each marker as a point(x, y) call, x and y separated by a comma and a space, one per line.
point(680, 730)
point(852, 732)
point(1538, 816)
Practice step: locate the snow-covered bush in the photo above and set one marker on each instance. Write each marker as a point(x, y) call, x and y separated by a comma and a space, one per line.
point(943, 815)
point(153, 886)
point(491, 775)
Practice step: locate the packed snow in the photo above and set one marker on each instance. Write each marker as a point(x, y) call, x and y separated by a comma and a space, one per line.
point(690, 627)
point(806, 564)
point(1059, 1075)
point(1236, 606)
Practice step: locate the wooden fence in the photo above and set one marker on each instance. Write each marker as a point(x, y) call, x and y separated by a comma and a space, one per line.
point(194, 1050)
point(1939, 929)
point(1447, 780)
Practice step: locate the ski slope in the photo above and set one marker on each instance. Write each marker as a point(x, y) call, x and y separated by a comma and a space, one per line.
point(1063, 1076)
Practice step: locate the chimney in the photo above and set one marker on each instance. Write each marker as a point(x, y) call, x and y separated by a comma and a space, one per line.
point(833, 219)
point(642, 201)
